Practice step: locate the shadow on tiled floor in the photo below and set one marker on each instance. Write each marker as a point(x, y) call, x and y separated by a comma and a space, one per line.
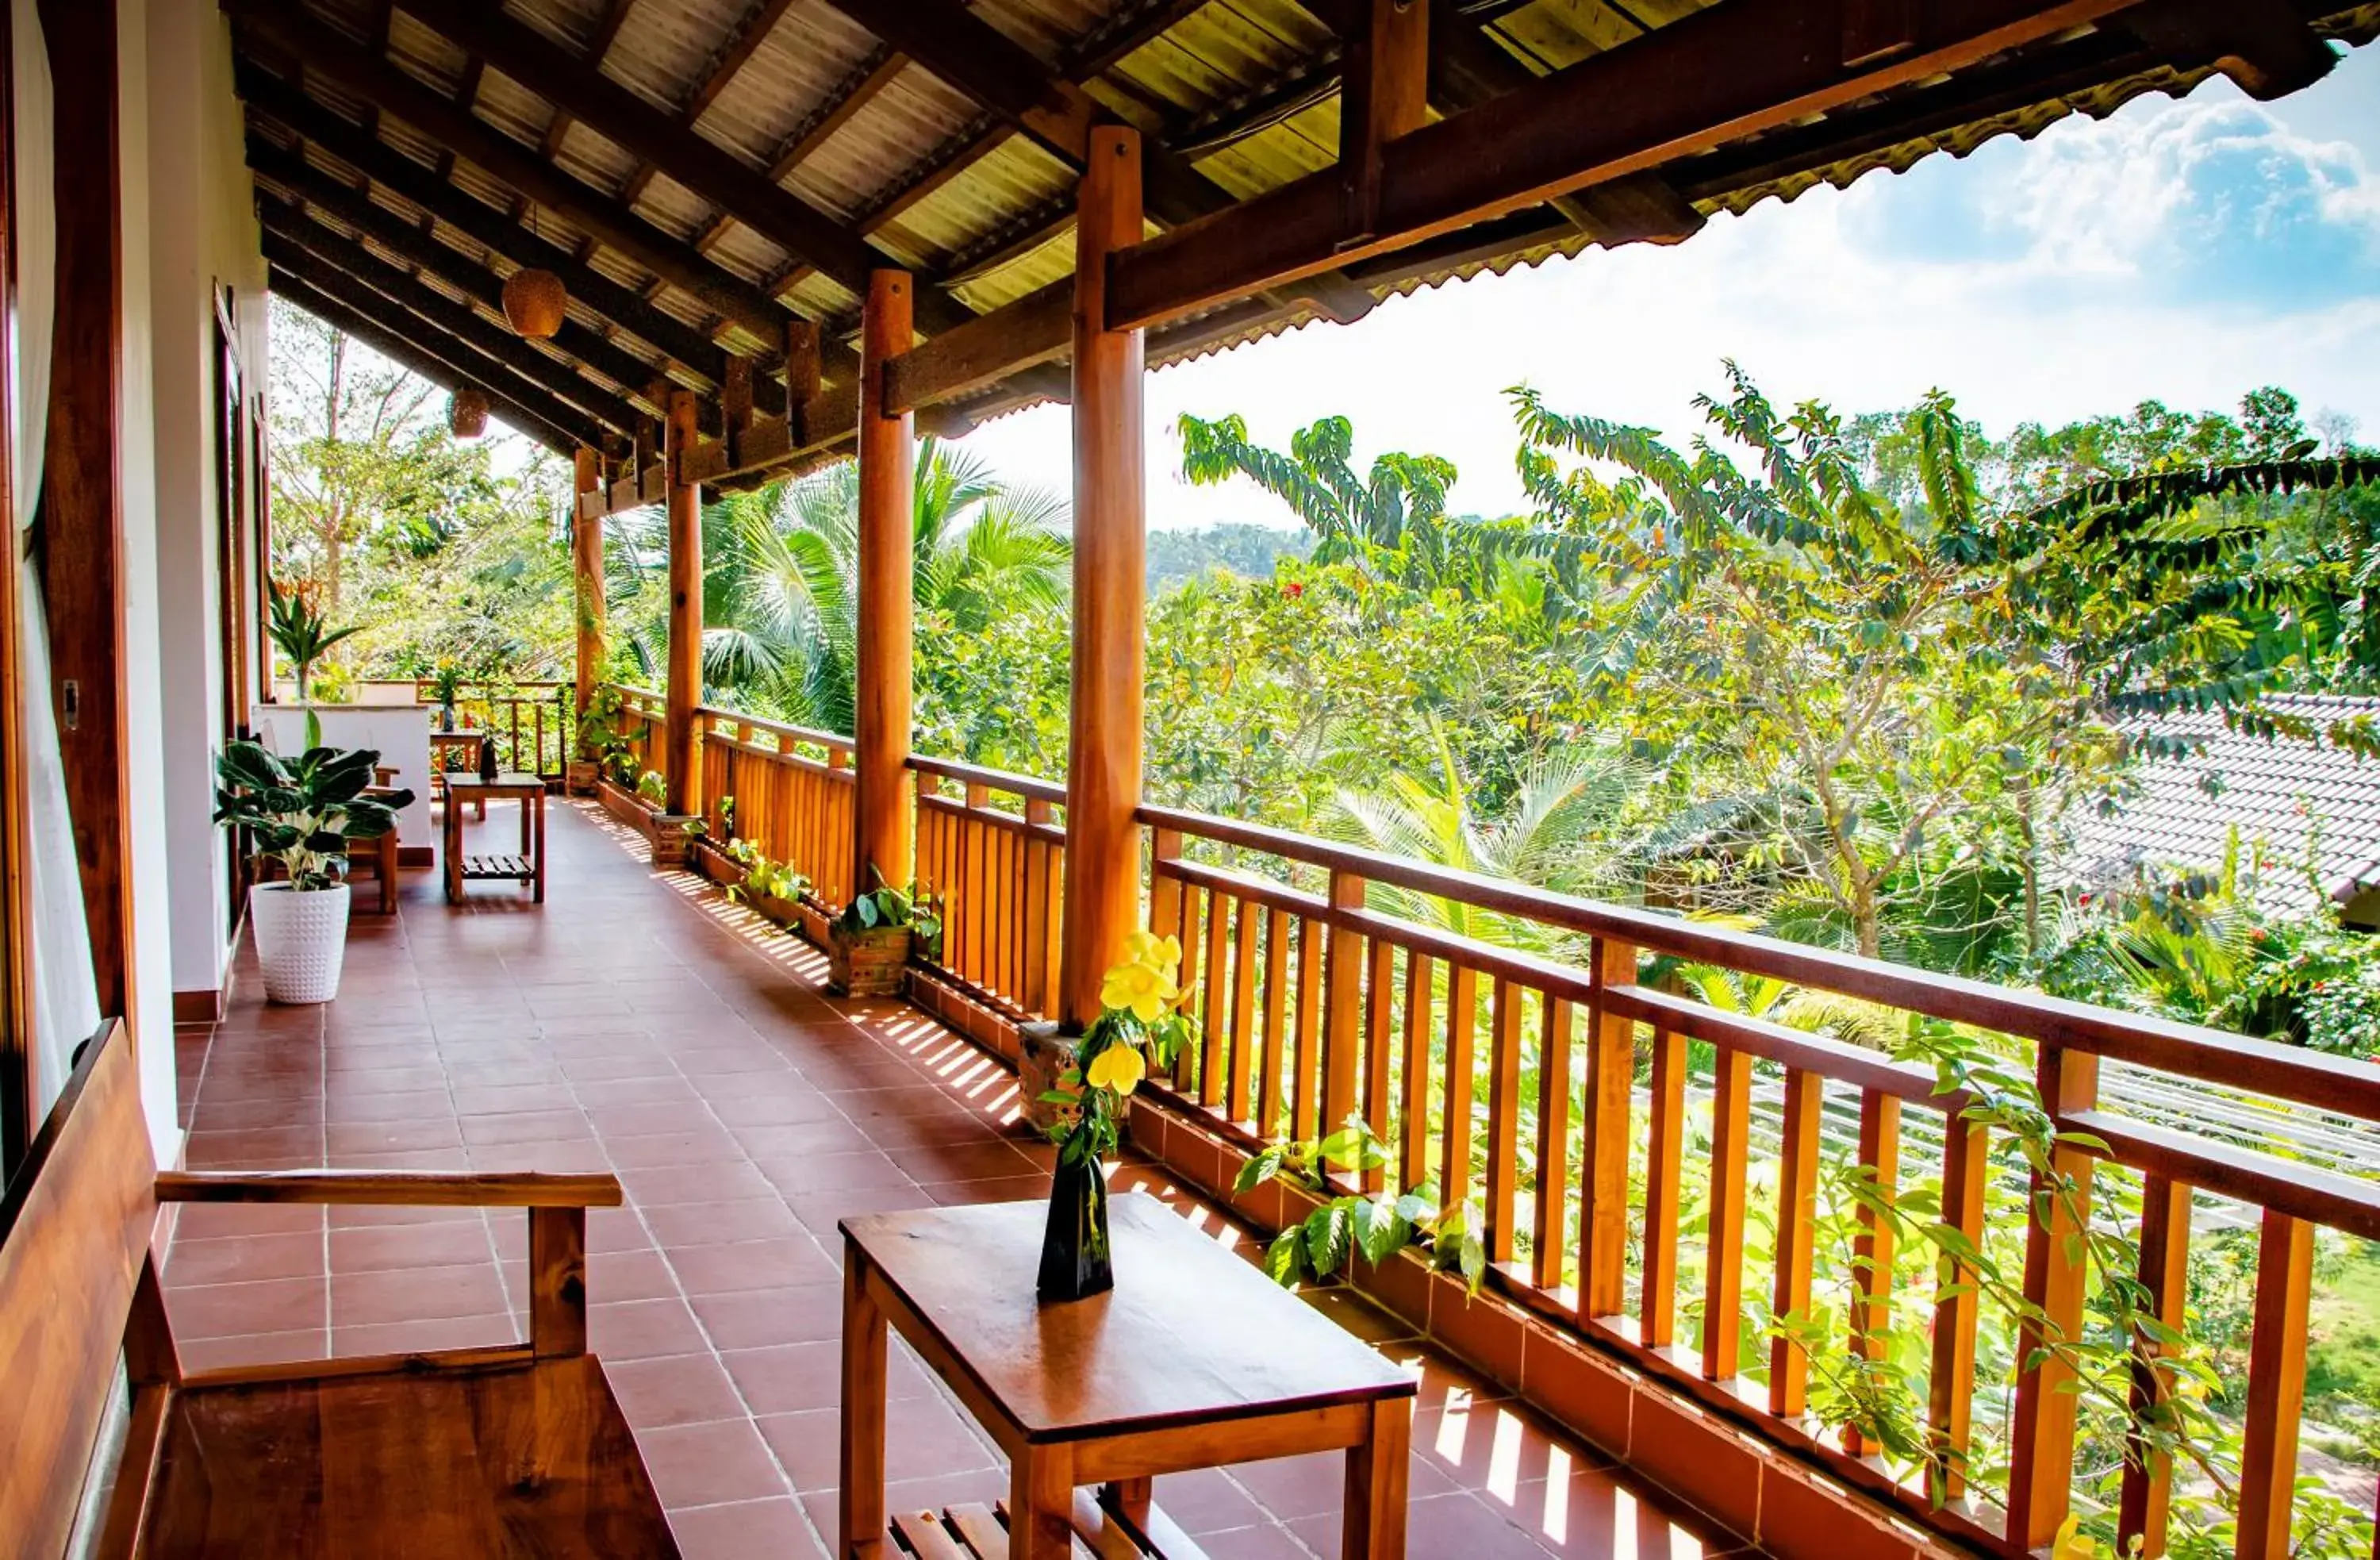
point(636, 1022)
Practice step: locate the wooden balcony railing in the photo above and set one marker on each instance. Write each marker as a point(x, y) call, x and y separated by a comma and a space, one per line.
point(642, 715)
point(1745, 1210)
point(793, 794)
point(994, 858)
point(1502, 1041)
point(531, 723)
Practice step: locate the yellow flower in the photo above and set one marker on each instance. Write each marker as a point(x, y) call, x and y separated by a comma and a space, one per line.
point(1143, 991)
point(1118, 1068)
point(2072, 1543)
point(1160, 954)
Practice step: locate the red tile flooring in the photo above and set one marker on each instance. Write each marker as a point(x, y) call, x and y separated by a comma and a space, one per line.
point(637, 1023)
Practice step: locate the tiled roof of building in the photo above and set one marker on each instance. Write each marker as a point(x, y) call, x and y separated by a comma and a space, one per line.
point(2290, 800)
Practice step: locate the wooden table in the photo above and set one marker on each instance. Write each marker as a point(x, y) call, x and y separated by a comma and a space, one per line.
point(529, 866)
point(1195, 1360)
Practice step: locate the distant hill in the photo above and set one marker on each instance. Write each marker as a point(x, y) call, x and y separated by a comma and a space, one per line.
point(1247, 550)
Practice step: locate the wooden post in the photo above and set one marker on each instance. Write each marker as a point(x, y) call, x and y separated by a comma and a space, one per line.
point(1102, 900)
point(82, 527)
point(586, 569)
point(679, 742)
point(887, 549)
point(1386, 95)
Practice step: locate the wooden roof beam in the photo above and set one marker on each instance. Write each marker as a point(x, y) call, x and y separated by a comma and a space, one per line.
point(607, 33)
point(1000, 73)
point(557, 427)
point(326, 51)
point(418, 186)
point(710, 171)
point(1621, 112)
point(346, 271)
point(437, 261)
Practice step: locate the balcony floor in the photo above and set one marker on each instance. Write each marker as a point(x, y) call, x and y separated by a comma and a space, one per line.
point(640, 1024)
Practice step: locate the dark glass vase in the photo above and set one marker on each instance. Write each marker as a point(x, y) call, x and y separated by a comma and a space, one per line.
point(1074, 1247)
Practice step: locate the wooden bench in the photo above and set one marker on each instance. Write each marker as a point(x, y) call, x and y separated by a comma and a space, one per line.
point(107, 1447)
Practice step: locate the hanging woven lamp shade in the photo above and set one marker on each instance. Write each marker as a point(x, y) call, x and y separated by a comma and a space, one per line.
point(470, 417)
point(534, 301)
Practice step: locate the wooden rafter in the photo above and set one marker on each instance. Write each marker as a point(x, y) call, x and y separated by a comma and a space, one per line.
point(364, 282)
point(431, 259)
point(626, 120)
point(607, 33)
point(374, 80)
point(551, 424)
point(418, 186)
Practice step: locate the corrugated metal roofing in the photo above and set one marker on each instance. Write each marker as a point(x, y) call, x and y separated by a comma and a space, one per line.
point(2312, 808)
point(939, 183)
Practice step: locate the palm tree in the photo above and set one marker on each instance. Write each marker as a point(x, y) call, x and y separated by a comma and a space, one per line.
point(783, 591)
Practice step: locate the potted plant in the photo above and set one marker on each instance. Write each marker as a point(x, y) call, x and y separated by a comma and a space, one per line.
point(867, 944)
point(1140, 1024)
point(299, 814)
point(446, 688)
point(302, 634)
point(598, 743)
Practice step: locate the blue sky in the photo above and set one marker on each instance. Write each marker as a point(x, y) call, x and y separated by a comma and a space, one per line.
point(2187, 251)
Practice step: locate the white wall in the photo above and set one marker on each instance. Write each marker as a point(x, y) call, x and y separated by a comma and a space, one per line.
point(202, 236)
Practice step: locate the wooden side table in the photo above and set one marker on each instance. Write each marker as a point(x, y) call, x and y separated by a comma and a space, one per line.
point(1195, 1360)
point(529, 866)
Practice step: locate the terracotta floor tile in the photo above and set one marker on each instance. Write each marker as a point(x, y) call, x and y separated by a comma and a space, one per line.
point(278, 1305)
point(749, 1264)
point(208, 1220)
point(251, 1349)
point(410, 1104)
point(692, 1183)
point(244, 1258)
point(377, 1249)
point(348, 1138)
point(679, 1389)
point(712, 1223)
point(559, 1124)
point(768, 1530)
point(710, 1464)
point(425, 1335)
point(629, 1275)
point(662, 1151)
point(642, 1329)
point(923, 1436)
point(424, 1294)
point(761, 1318)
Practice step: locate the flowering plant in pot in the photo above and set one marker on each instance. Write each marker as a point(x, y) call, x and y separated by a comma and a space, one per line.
point(299, 814)
point(446, 688)
point(1140, 1024)
point(867, 944)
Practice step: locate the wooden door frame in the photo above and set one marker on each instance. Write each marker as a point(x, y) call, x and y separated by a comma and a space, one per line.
point(17, 1092)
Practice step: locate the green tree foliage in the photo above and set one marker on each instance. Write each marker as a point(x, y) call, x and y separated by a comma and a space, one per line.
point(439, 548)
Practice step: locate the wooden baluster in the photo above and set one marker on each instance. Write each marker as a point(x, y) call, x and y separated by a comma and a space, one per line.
point(1730, 1155)
point(977, 874)
point(1040, 987)
point(1018, 911)
point(1276, 1022)
point(1503, 1119)
point(1185, 1064)
point(1213, 1034)
point(999, 975)
point(1342, 1007)
point(1603, 1164)
point(2277, 1375)
point(2041, 1462)
point(1797, 1222)
point(1051, 910)
point(1380, 1037)
point(1553, 1141)
point(1455, 1132)
point(1664, 1156)
point(1873, 1247)
point(1164, 892)
point(1305, 1055)
point(2142, 1509)
point(1950, 1391)
point(1413, 1121)
point(1239, 1106)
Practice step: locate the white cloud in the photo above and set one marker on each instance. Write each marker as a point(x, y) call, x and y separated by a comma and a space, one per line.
point(2187, 251)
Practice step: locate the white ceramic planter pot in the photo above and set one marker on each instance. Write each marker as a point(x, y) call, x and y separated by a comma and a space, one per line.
point(301, 940)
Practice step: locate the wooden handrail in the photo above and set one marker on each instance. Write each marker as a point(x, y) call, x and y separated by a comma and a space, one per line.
point(2317, 1079)
point(1014, 785)
point(391, 1188)
point(810, 735)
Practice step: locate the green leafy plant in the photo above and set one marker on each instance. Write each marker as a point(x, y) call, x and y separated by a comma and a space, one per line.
point(885, 908)
point(651, 787)
point(1375, 1225)
point(302, 634)
point(762, 877)
point(602, 737)
point(446, 683)
point(301, 813)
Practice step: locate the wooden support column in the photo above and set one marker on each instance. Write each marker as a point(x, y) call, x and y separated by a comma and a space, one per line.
point(887, 552)
point(82, 524)
point(678, 738)
point(1103, 748)
point(587, 567)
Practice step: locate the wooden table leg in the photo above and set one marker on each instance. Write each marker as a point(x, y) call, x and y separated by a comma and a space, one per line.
point(451, 842)
point(1130, 1498)
point(1041, 1504)
point(1375, 1527)
point(861, 1499)
point(536, 857)
point(524, 825)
